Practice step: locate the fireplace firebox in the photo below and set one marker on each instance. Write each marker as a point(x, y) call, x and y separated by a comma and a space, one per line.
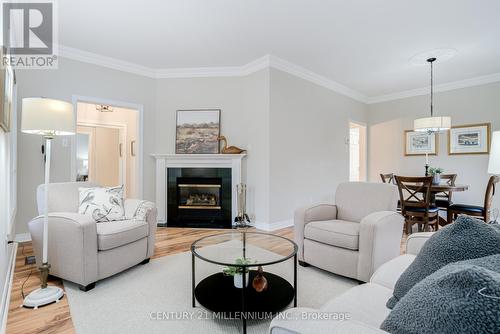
point(199, 197)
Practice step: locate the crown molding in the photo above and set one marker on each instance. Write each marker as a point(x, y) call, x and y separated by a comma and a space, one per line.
point(109, 62)
point(313, 77)
point(222, 71)
point(267, 61)
point(477, 81)
point(261, 63)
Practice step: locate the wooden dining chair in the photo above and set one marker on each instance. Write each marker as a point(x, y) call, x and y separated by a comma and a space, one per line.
point(443, 199)
point(388, 178)
point(482, 212)
point(415, 197)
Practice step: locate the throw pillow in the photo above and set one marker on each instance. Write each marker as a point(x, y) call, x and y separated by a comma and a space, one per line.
point(461, 297)
point(102, 204)
point(467, 238)
point(142, 211)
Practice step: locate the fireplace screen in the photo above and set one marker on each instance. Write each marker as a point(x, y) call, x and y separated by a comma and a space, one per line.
point(199, 196)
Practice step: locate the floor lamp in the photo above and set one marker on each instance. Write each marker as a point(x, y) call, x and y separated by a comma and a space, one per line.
point(47, 118)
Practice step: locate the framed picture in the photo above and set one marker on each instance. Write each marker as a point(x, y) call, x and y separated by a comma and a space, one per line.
point(7, 81)
point(469, 139)
point(420, 143)
point(197, 131)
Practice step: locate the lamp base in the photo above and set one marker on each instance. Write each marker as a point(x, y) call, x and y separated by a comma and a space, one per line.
point(43, 296)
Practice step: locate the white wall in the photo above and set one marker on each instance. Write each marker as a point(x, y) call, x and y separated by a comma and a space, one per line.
point(77, 78)
point(388, 120)
point(308, 152)
point(244, 102)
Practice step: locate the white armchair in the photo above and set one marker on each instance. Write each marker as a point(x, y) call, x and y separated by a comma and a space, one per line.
point(83, 251)
point(356, 235)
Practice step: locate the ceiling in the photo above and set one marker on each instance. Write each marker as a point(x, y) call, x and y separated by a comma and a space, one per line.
point(362, 44)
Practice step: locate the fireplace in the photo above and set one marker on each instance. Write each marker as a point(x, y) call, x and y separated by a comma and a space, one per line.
point(199, 193)
point(199, 197)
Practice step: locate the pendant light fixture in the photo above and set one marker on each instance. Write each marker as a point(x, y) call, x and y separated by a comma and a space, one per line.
point(434, 123)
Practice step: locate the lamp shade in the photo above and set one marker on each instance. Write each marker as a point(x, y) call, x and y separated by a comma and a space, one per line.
point(47, 117)
point(494, 163)
point(432, 124)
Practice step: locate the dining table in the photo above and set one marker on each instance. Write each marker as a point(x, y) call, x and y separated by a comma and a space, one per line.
point(440, 188)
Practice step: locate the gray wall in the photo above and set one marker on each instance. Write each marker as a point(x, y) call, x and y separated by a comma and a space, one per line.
point(388, 120)
point(244, 121)
point(308, 155)
point(76, 78)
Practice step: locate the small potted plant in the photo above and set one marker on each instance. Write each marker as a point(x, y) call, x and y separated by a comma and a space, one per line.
point(237, 272)
point(436, 172)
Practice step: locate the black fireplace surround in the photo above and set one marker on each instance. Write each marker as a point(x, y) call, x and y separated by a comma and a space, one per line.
point(199, 197)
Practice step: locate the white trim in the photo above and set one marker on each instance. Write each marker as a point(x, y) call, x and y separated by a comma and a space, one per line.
point(121, 104)
point(273, 226)
point(22, 237)
point(5, 302)
point(258, 64)
point(313, 77)
point(223, 71)
point(96, 59)
point(477, 81)
point(166, 161)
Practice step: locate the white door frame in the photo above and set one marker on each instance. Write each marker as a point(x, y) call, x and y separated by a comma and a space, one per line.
point(363, 124)
point(120, 104)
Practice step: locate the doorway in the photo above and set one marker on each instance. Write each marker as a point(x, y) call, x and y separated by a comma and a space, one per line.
point(106, 147)
point(357, 152)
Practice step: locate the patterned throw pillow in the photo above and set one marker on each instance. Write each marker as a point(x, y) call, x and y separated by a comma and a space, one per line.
point(102, 204)
point(142, 211)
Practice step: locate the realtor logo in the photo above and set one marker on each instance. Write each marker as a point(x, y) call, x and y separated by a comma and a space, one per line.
point(28, 33)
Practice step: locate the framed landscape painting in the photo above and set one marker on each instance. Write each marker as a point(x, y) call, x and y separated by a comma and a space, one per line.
point(469, 139)
point(197, 131)
point(420, 143)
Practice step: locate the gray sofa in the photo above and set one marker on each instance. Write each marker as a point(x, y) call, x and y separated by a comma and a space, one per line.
point(354, 236)
point(364, 305)
point(83, 251)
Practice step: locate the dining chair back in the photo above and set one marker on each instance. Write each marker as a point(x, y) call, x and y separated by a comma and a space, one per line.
point(482, 212)
point(388, 178)
point(488, 196)
point(415, 197)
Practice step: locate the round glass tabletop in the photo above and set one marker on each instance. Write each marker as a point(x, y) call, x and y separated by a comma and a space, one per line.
point(244, 249)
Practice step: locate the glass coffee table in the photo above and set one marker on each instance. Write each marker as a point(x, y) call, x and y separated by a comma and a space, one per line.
point(218, 292)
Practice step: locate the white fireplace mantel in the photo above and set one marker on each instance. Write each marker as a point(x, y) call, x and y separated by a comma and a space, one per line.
point(165, 161)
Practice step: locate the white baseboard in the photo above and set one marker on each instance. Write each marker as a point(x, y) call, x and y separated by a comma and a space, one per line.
point(273, 226)
point(5, 302)
point(22, 237)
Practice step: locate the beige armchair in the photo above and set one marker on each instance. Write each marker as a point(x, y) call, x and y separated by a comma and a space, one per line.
point(83, 251)
point(356, 235)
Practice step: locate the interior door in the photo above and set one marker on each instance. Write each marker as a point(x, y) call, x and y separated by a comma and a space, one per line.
point(107, 157)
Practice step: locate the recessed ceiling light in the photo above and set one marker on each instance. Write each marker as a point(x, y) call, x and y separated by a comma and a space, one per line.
point(441, 55)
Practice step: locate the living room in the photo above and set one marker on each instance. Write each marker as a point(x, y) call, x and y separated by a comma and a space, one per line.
point(243, 145)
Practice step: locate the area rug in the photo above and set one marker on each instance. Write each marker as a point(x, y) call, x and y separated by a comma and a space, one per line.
point(156, 298)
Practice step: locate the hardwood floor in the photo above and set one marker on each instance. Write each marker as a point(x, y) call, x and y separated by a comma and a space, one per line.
point(56, 318)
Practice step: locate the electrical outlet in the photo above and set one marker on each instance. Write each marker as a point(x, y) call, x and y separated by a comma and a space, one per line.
point(30, 259)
